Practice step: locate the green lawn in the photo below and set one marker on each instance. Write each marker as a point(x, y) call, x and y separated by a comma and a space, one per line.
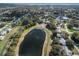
point(30, 28)
point(75, 51)
point(71, 30)
point(2, 43)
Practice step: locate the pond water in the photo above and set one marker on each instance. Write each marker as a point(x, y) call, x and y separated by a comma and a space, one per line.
point(33, 43)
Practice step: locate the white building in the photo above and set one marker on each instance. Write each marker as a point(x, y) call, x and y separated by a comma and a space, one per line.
point(4, 32)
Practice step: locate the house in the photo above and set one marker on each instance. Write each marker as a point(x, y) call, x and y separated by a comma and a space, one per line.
point(62, 18)
point(58, 29)
point(4, 32)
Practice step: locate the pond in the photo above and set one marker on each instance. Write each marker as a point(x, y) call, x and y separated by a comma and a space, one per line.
point(33, 43)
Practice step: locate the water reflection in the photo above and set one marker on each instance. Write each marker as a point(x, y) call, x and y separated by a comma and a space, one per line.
point(33, 43)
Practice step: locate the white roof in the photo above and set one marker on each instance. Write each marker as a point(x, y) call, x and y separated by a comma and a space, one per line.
point(2, 37)
point(64, 17)
point(62, 40)
point(3, 32)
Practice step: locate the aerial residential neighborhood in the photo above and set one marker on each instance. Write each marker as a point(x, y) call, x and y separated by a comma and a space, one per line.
point(31, 29)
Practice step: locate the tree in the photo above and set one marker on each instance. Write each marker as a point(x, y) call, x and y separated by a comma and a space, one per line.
point(2, 25)
point(51, 25)
point(75, 37)
point(70, 44)
point(56, 50)
point(54, 34)
point(56, 41)
point(65, 35)
point(25, 22)
point(73, 23)
point(70, 26)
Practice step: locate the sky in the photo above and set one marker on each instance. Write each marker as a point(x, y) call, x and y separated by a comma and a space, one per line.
point(47, 3)
point(39, 1)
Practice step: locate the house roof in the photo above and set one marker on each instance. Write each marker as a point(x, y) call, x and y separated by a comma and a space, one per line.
point(62, 17)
